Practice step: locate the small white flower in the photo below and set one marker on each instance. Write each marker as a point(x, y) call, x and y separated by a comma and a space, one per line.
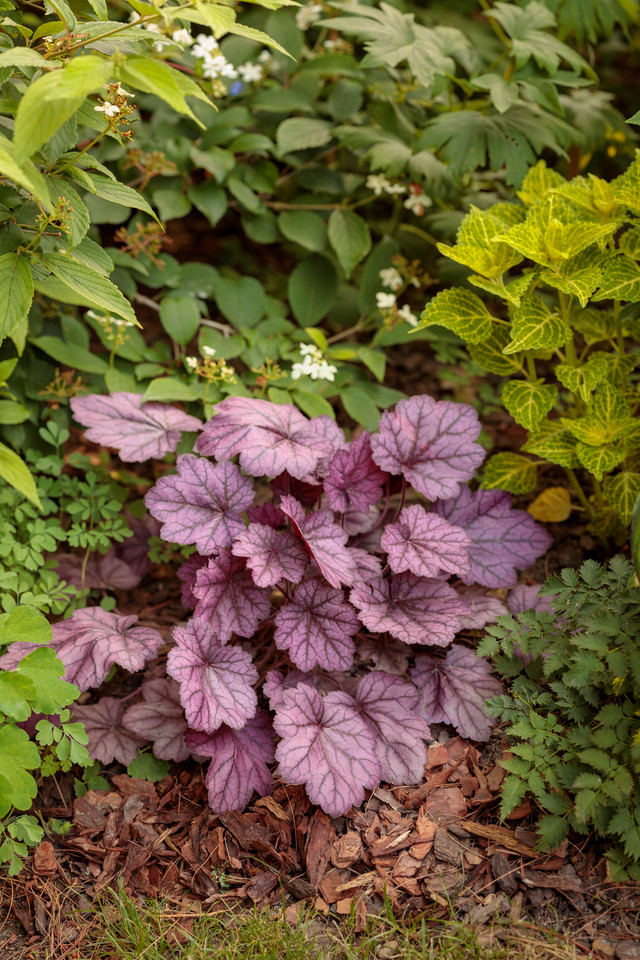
point(405, 313)
point(191, 362)
point(204, 46)
point(313, 365)
point(391, 278)
point(208, 351)
point(385, 301)
point(392, 188)
point(182, 36)
point(219, 66)
point(99, 317)
point(109, 109)
point(250, 72)
point(377, 183)
point(121, 92)
point(417, 203)
point(305, 16)
point(310, 350)
point(265, 56)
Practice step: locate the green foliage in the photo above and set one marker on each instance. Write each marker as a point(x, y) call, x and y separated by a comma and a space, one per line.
point(573, 708)
point(565, 266)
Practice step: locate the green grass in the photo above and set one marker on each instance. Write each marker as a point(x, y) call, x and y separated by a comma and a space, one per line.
point(124, 929)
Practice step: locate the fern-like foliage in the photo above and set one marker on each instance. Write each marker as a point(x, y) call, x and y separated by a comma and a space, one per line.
point(573, 709)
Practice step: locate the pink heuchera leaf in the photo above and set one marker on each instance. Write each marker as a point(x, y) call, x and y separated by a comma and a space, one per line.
point(354, 482)
point(202, 503)
point(269, 437)
point(388, 706)
point(327, 746)
point(160, 719)
point(527, 597)
point(271, 555)
point(325, 426)
point(187, 573)
point(216, 681)
point(317, 627)
point(268, 514)
point(503, 539)
point(324, 539)
point(276, 684)
point(368, 566)
point(138, 431)
point(410, 608)
point(425, 544)
point(109, 740)
point(455, 690)
point(90, 642)
point(431, 443)
point(360, 521)
point(239, 761)
point(228, 598)
point(483, 609)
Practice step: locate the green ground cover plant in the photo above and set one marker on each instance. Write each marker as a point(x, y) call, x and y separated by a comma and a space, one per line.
point(572, 711)
point(561, 276)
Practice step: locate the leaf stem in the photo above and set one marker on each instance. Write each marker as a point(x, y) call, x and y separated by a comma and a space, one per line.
point(575, 483)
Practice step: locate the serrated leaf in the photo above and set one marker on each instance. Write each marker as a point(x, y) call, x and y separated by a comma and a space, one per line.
point(460, 311)
point(388, 705)
point(159, 718)
point(228, 598)
point(538, 181)
point(536, 328)
point(17, 756)
point(116, 192)
point(317, 628)
point(622, 492)
point(600, 460)
point(109, 740)
point(16, 291)
point(490, 353)
point(91, 285)
point(300, 133)
point(354, 481)
point(528, 402)
point(512, 292)
point(475, 247)
point(425, 544)
point(578, 276)
point(153, 76)
point(620, 281)
point(350, 237)
point(509, 471)
point(147, 767)
point(324, 540)
point(552, 442)
point(553, 505)
point(627, 186)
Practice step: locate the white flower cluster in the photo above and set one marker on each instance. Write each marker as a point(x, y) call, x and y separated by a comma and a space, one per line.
point(380, 185)
point(416, 201)
point(308, 15)
point(392, 279)
point(105, 319)
point(313, 365)
point(215, 65)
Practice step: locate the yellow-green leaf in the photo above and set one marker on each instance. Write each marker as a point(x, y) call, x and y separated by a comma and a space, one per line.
point(536, 328)
point(578, 276)
point(528, 402)
point(512, 292)
point(460, 311)
point(551, 441)
point(600, 460)
point(475, 247)
point(509, 471)
point(489, 354)
point(627, 187)
point(16, 291)
point(537, 182)
point(553, 505)
point(620, 281)
point(622, 491)
point(16, 473)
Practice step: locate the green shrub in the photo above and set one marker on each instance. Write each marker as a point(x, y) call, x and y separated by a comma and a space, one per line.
point(561, 273)
point(573, 709)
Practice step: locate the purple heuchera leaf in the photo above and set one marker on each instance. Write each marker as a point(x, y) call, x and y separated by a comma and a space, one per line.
point(271, 555)
point(102, 571)
point(90, 642)
point(269, 437)
point(324, 539)
point(425, 544)
point(354, 482)
point(216, 681)
point(455, 690)
point(187, 573)
point(308, 493)
point(268, 514)
point(410, 608)
point(527, 597)
point(483, 609)
point(275, 684)
point(431, 443)
point(325, 426)
point(202, 503)
point(159, 718)
point(360, 521)
point(239, 761)
point(317, 627)
point(327, 746)
point(228, 598)
point(138, 431)
point(109, 740)
point(387, 705)
point(503, 539)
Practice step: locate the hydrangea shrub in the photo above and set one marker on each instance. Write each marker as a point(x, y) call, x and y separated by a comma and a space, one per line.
point(294, 597)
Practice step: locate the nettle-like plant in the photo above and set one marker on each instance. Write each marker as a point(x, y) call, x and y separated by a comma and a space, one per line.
point(572, 658)
point(350, 558)
point(562, 273)
point(32, 694)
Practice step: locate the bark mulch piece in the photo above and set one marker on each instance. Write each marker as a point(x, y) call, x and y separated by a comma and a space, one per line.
point(428, 849)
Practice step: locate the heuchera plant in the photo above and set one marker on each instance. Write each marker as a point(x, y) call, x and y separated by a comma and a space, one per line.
point(347, 562)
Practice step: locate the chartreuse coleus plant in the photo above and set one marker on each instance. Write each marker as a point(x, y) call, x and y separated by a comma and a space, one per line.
point(342, 165)
point(349, 561)
point(572, 660)
point(63, 79)
point(561, 274)
point(32, 693)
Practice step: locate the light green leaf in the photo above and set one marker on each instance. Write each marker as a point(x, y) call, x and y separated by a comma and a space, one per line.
point(627, 187)
point(17, 755)
point(350, 237)
point(512, 292)
point(536, 328)
point(607, 418)
point(71, 355)
point(12, 412)
point(26, 57)
point(78, 221)
point(15, 692)
point(300, 133)
point(169, 389)
point(98, 291)
point(620, 281)
point(116, 192)
point(312, 404)
point(312, 289)
point(147, 767)
point(153, 76)
point(460, 311)
point(475, 246)
point(509, 471)
point(25, 173)
point(25, 623)
point(621, 492)
point(16, 291)
point(15, 471)
point(180, 317)
point(360, 407)
point(53, 98)
point(528, 402)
